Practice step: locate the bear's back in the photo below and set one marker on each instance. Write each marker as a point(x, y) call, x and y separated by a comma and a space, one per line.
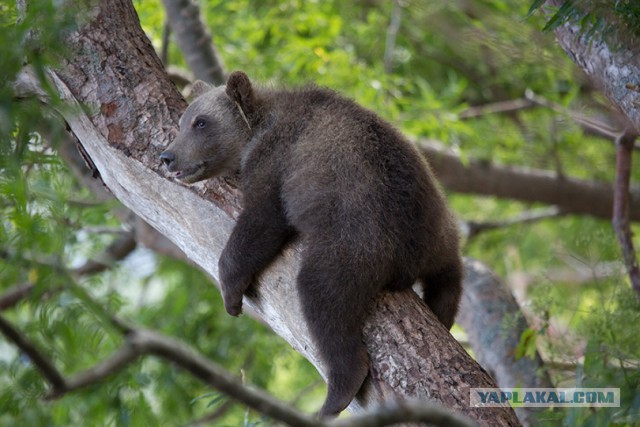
point(349, 177)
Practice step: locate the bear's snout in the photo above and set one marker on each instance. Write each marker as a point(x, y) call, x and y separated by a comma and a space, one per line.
point(168, 158)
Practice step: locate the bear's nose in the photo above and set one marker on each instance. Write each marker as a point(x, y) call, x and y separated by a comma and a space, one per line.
point(167, 157)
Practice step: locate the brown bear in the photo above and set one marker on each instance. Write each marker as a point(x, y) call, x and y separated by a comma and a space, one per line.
point(314, 164)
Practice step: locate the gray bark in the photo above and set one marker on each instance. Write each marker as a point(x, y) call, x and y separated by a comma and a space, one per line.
point(494, 324)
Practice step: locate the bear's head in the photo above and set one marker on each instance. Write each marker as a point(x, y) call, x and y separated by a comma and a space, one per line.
point(213, 130)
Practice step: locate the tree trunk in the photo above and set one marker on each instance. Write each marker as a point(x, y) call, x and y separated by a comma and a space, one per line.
point(616, 72)
point(133, 107)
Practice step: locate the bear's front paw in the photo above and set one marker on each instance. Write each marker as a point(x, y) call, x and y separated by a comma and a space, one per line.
point(233, 305)
point(232, 296)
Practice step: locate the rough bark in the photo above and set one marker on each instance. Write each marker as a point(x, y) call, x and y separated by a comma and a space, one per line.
point(114, 72)
point(488, 302)
point(615, 71)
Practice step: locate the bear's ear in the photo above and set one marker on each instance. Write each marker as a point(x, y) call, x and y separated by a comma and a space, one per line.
point(240, 91)
point(199, 87)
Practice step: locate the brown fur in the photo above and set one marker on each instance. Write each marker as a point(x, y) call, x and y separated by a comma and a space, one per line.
point(366, 204)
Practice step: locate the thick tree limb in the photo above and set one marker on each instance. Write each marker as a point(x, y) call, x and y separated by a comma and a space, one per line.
point(138, 107)
point(570, 195)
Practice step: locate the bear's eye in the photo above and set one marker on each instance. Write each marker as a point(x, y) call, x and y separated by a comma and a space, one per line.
point(199, 124)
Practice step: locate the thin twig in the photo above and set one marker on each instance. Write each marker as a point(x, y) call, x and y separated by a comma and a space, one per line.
point(621, 225)
point(473, 228)
point(497, 107)
point(588, 124)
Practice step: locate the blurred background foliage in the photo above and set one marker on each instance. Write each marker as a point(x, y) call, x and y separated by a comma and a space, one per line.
point(448, 55)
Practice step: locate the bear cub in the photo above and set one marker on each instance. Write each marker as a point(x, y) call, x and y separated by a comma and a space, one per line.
point(315, 164)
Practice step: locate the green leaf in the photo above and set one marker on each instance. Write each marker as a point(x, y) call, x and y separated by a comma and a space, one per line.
point(564, 14)
point(535, 6)
point(527, 345)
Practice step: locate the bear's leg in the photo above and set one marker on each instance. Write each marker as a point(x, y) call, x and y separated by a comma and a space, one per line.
point(255, 241)
point(442, 291)
point(334, 299)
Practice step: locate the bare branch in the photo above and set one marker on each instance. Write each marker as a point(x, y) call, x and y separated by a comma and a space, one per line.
point(588, 124)
point(570, 195)
point(164, 48)
point(497, 107)
point(141, 342)
point(621, 224)
point(472, 228)
point(46, 368)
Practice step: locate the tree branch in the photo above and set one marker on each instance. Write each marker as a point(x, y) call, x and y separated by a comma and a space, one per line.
point(474, 228)
point(570, 195)
point(140, 342)
point(194, 40)
point(46, 368)
point(624, 153)
point(496, 108)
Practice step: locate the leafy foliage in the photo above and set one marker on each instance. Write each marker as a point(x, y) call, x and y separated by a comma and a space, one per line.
point(449, 55)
